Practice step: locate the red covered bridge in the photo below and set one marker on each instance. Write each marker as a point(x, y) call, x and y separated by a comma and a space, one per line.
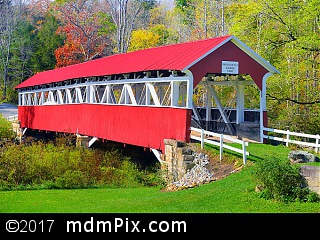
point(143, 97)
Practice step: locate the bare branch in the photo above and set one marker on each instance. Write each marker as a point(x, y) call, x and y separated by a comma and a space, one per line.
point(292, 100)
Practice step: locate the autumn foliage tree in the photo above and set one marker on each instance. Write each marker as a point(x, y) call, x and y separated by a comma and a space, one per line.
point(85, 28)
point(141, 39)
point(70, 53)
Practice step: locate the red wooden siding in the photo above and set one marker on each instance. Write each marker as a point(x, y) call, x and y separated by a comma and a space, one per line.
point(229, 52)
point(140, 126)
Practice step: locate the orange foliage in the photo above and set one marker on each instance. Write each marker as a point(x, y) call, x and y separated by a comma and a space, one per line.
point(70, 53)
point(80, 26)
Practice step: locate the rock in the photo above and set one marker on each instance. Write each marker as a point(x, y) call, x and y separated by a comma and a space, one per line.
point(302, 157)
point(195, 176)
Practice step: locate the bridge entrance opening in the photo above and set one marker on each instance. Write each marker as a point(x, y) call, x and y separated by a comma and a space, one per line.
point(227, 104)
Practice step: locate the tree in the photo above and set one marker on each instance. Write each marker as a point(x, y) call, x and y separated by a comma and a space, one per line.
point(185, 12)
point(142, 39)
point(144, 17)
point(287, 34)
point(9, 15)
point(21, 51)
point(124, 14)
point(81, 24)
point(209, 19)
point(200, 19)
point(166, 34)
point(46, 42)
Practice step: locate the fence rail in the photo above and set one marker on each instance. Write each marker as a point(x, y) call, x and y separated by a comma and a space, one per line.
point(287, 140)
point(221, 143)
point(12, 117)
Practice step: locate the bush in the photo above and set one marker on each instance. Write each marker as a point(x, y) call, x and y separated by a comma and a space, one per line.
point(278, 179)
point(152, 177)
point(59, 164)
point(121, 173)
point(72, 179)
point(6, 130)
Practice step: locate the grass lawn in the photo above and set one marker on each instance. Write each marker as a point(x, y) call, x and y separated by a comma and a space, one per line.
point(234, 194)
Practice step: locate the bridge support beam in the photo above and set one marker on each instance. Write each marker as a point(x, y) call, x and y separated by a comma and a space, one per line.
point(92, 141)
point(18, 131)
point(85, 141)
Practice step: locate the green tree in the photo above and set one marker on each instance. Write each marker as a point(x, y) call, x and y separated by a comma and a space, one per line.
point(47, 41)
point(20, 58)
point(166, 35)
point(287, 34)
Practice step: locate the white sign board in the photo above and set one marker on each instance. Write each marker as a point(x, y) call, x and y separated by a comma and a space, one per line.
point(230, 67)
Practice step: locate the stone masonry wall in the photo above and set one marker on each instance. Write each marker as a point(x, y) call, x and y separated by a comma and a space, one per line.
point(178, 158)
point(16, 128)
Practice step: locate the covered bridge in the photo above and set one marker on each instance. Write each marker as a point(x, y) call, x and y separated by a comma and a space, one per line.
point(146, 96)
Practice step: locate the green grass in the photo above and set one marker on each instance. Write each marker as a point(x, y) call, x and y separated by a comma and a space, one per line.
point(234, 194)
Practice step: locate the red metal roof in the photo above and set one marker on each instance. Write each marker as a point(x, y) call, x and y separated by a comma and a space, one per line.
point(171, 57)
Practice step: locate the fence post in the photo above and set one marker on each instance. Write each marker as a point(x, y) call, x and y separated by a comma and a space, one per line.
point(202, 138)
point(317, 143)
point(244, 152)
point(288, 137)
point(221, 146)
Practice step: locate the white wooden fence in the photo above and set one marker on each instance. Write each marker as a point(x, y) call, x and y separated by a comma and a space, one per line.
point(221, 143)
point(12, 117)
point(287, 140)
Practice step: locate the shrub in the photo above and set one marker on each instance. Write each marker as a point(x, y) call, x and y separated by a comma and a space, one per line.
point(278, 179)
point(124, 174)
point(152, 177)
point(60, 164)
point(6, 130)
point(72, 179)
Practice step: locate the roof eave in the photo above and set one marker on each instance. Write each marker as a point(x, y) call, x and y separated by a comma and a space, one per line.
point(254, 55)
point(207, 53)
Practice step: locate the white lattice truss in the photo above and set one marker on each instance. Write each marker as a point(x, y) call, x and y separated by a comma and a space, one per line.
point(172, 91)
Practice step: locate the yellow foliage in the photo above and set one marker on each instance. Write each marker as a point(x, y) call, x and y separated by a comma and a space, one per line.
point(142, 39)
